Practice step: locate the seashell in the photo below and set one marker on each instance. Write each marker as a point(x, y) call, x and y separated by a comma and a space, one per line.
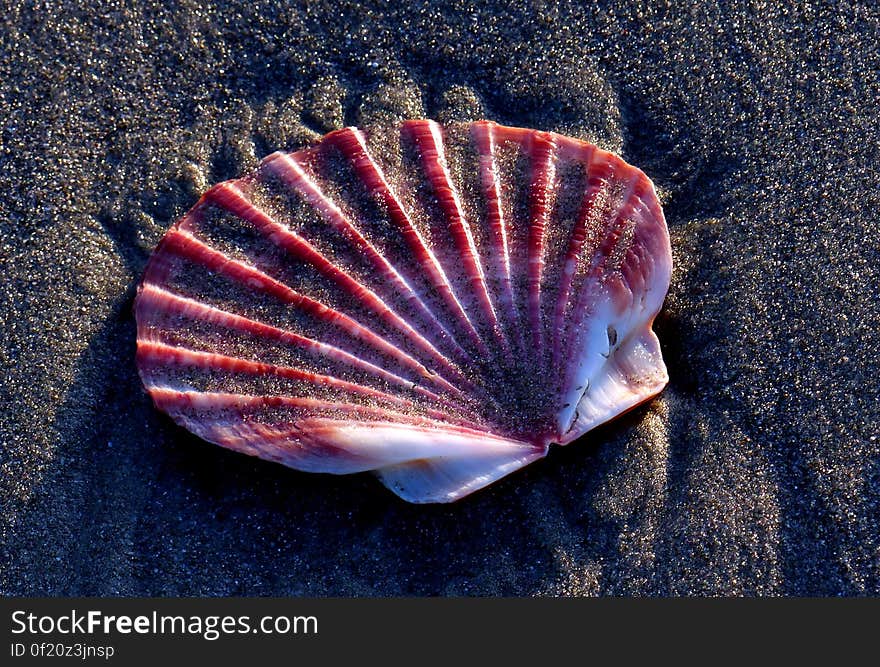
point(435, 304)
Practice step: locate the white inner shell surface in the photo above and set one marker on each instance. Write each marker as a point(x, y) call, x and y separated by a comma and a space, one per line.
point(435, 304)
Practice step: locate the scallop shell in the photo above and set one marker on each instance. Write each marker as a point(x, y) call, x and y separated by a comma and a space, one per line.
point(435, 304)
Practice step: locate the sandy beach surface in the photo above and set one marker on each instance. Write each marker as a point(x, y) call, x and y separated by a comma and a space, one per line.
point(757, 472)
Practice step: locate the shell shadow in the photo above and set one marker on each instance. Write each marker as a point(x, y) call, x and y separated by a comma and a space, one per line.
point(160, 512)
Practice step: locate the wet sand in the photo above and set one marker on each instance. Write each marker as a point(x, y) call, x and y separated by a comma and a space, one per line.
point(757, 471)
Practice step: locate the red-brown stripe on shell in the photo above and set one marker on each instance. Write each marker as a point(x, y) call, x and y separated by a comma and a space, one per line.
point(435, 304)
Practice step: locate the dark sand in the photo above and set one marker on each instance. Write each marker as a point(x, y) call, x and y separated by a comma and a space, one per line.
point(756, 472)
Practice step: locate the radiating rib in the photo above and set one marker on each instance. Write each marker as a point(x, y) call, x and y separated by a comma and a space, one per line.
point(483, 133)
point(286, 167)
point(519, 153)
point(429, 139)
point(169, 398)
point(230, 197)
point(352, 144)
point(542, 152)
point(619, 221)
point(596, 176)
point(160, 355)
point(189, 247)
point(157, 300)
